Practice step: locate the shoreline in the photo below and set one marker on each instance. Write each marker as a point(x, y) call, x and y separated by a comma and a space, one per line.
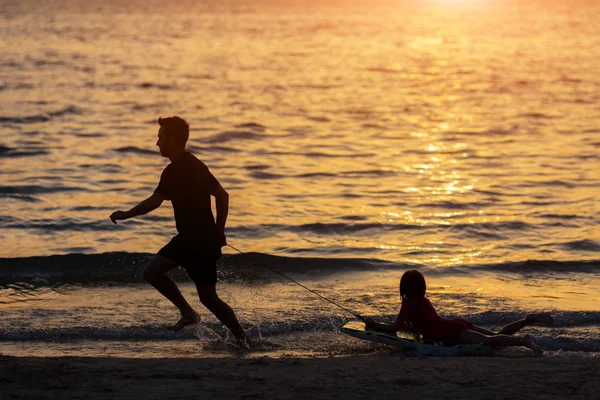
point(356, 376)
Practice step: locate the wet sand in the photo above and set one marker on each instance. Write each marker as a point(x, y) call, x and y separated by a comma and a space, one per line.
point(365, 377)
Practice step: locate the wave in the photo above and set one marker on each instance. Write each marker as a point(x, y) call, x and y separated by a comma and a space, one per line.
point(317, 175)
point(342, 228)
point(537, 116)
point(265, 175)
point(385, 70)
point(455, 205)
point(551, 183)
point(317, 118)
point(19, 86)
point(256, 167)
point(21, 197)
point(135, 150)
point(33, 189)
point(142, 332)
point(31, 119)
point(10, 152)
point(339, 228)
point(66, 111)
point(89, 135)
point(583, 245)
point(558, 337)
point(31, 273)
point(315, 154)
point(212, 149)
point(159, 331)
point(66, 224)
point(233, 135)
point(485, 133)
point(127, 267)
point(151, 85)
point(146, 107)
point(108, 167)
point(524, 267)
point(484, 228)
point(366, 173)
point(560, 216)
point(199, 76)
point(44, 117)
point(252, 125)
point(373, 126)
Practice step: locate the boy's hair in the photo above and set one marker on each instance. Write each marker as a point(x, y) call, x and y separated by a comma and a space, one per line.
point(412, 285)
point(176, 128)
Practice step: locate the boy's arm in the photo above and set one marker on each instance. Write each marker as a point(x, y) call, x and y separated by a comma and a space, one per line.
point(150, 204)
point(222, 202)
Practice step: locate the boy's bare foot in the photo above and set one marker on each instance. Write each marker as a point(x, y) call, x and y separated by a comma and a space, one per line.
point(185, 320)
point(542, 318)
point(245, 342)
point(528, 342)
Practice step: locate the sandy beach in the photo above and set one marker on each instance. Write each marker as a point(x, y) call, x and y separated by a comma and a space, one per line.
point(375, 376)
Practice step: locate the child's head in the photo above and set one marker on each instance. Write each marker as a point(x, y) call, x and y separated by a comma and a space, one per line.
point(412, 285)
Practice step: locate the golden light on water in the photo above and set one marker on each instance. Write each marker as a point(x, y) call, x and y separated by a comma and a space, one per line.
point(439, 118)
point(460, 2)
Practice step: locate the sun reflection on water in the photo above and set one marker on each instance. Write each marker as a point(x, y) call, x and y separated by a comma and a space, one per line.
point(404, 133)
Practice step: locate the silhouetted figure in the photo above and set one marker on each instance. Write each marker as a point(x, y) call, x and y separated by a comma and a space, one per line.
point(418, 315)
point(188, 184)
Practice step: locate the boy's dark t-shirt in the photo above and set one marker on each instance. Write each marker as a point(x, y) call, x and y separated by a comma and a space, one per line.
point(188, 183)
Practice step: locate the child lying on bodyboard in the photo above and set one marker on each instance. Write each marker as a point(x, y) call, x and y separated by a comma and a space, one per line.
point(418, 315)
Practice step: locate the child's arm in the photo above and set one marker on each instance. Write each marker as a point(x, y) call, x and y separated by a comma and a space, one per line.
point(393, 327)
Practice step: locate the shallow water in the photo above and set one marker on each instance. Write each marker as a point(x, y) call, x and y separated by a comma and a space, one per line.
point(103, 308)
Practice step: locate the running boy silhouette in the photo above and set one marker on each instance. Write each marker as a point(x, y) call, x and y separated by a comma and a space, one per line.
point(189, 185)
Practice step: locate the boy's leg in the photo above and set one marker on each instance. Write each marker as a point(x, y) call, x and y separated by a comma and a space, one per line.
point(225, 314)
point(154, 273)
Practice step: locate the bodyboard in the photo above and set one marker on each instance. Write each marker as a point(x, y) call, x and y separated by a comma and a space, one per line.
point(413, 345)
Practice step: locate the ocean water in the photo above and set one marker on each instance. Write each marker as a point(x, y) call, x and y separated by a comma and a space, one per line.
point(356, 141)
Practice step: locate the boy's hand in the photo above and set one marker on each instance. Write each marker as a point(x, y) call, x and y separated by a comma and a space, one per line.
point(221, 238)
point(118, 216)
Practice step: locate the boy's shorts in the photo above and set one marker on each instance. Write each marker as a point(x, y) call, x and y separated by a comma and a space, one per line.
point(197, 258)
